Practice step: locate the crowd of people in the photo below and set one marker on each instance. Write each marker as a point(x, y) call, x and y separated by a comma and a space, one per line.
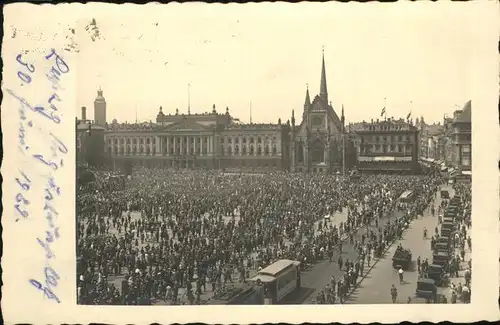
point(461, 241)
point(165, 231)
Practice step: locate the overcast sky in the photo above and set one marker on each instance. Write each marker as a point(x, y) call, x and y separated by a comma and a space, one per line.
point(419, 58)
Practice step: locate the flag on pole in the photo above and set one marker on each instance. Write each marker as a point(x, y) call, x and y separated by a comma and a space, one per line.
point(408, 116)
point(383, 112)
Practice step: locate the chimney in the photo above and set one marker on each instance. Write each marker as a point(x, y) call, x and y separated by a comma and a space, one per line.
point(84, 113)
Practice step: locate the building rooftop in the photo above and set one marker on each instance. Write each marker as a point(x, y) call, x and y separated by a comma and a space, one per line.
point(85, 126)
point(389, 125)
point(465, 115)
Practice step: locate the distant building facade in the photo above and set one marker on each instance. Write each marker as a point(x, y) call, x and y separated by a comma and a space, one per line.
point(89, 141)
point(219, 141)
point(387, 146)
point(210, 140)
point(431, 141)
point(462, 138)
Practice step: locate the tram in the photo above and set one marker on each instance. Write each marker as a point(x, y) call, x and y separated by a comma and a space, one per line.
point(279, 280)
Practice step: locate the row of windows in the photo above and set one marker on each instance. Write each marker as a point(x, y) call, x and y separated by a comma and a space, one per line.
point(244, 139)
point(387, 138)
point(184, 139)
point(131, 140)
point(132, 150)
point(185, 151)
point(387, 148)
point(187, 139)
point(246, 163)
point(387, 127)
point(147, 150)
point(229, 150)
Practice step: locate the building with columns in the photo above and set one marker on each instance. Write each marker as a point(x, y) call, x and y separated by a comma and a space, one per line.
point(217, 140)
point(210, 140)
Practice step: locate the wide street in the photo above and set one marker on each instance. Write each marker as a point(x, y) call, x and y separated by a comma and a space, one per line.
point(375, 287)
point(318, 276)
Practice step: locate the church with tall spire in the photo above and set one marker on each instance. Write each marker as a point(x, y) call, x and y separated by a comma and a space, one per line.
point(317, 142)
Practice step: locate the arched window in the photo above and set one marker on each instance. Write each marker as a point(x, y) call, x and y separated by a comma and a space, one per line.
point(275, 150)
point(259, 150)
point(244, 150)
point(236, 150)
point(266, 150)
point(251, 150)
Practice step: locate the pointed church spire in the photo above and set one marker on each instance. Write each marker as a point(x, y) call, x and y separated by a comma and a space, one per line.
point(342, 119)
point(323, 93)
point(307, 103)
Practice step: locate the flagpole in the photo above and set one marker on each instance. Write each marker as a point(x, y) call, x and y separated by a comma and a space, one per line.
point(385, 108)
point(189, 99)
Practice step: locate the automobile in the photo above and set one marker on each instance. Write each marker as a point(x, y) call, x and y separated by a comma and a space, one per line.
point(443, 239)
point(447, 228)
point(441, 258)
point(442, 247)
point(445, 194)
point(437, 273)
point(402, 258)
point(451, 211)
point(426, 288)
point(448, 219)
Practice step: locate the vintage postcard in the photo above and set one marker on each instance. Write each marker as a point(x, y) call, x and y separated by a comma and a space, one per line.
point(226, 163)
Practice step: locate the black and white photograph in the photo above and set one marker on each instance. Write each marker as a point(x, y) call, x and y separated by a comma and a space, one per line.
point(263, 174)
point(184, 157)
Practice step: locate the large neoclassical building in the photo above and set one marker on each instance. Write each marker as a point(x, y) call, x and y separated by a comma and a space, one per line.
point(218, 140)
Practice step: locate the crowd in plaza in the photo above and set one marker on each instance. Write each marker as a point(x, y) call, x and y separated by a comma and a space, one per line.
point(207, 227)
